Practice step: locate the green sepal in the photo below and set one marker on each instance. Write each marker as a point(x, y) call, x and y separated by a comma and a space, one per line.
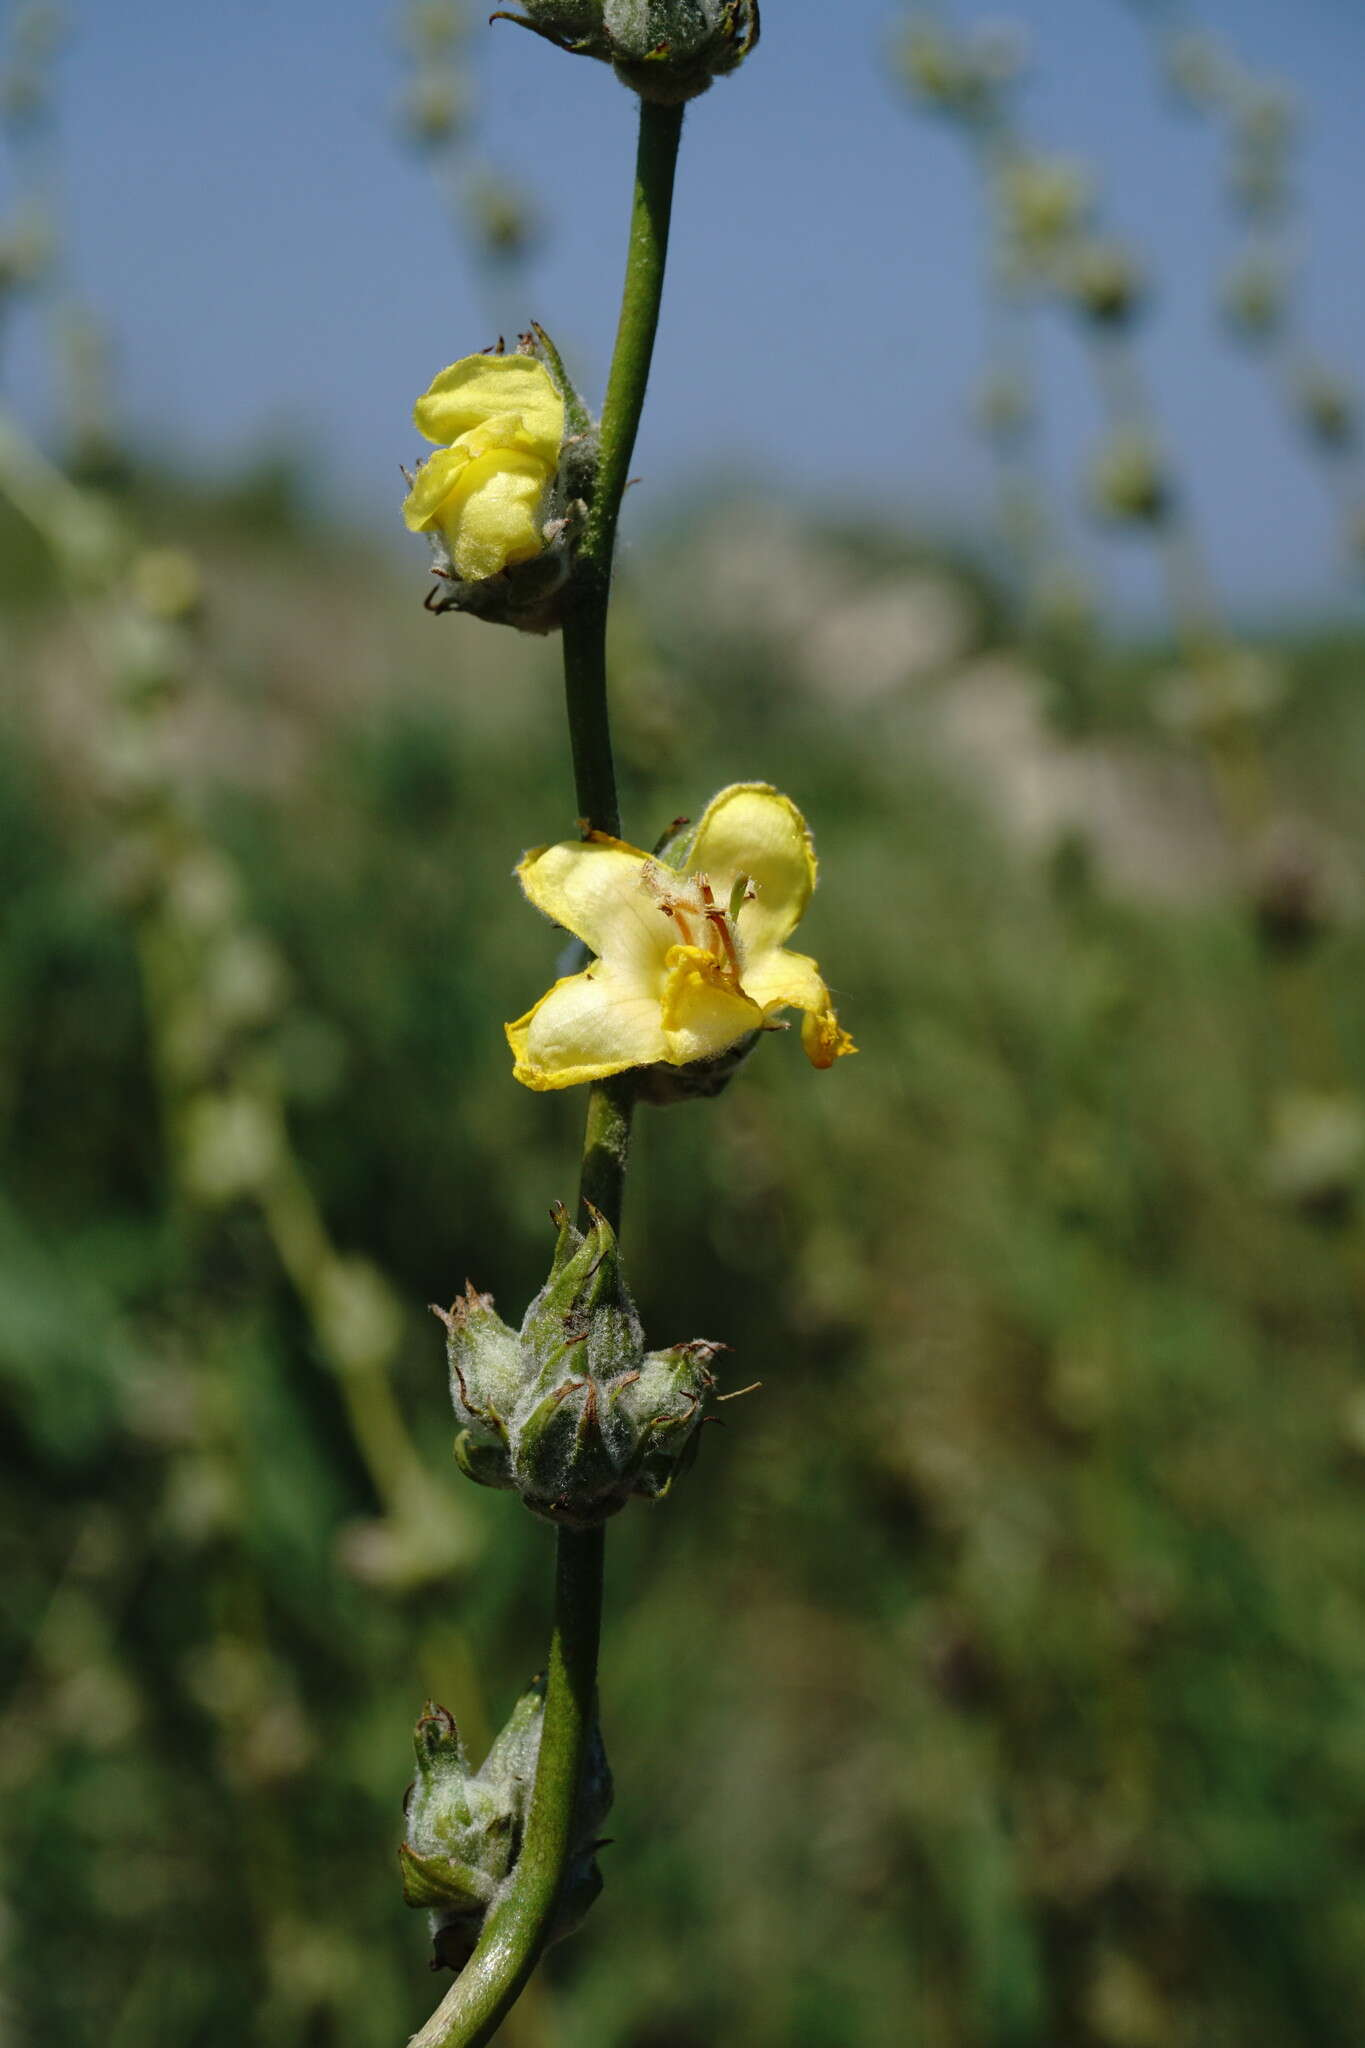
point(485, 1463)
point(512, 1758)
point(435, 1881)
point(484, 1357)
point(674, 845)
point(565, 1466)
point(572, 25)
point(583, 1323)
point(577, 417)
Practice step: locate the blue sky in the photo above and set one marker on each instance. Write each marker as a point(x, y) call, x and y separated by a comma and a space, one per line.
point(268, 260)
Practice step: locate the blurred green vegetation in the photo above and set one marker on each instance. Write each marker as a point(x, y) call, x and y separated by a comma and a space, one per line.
point(999, 1676)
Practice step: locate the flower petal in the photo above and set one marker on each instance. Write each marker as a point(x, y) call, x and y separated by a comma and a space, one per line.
point(472, 390)
point(703, 1013)
point(501, 430)
point(752, 829)
point(823, 1038)
point(779, 980)
point(596, 889)
point(431, 486)
point(491, 517)
point(588, 1026)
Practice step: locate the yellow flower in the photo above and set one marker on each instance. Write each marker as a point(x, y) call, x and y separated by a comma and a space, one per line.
point(688, 963)
point(486, 491)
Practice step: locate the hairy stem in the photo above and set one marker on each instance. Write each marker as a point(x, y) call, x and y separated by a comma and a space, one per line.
point(520, 1920)
point(605, 1145)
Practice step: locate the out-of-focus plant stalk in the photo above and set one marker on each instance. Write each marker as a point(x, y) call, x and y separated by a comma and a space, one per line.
point(1235, 758)
point(92, 540)
point(1049, 207)
point(440, 122)
point(1234, 754)
point(1261, 293)
point(517, 1925)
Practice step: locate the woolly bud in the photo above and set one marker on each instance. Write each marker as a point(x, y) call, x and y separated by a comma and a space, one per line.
point(666, 50)
point(464, 1827)
point(572, 1412)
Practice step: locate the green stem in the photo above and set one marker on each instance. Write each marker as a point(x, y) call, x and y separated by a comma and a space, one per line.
point(585, 619)
point(518, 1923)
point(605, 1145)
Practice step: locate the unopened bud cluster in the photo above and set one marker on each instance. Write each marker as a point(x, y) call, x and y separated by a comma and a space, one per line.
point(1045, 203)
point(1104, 282)
point(666, 50)
point(465, 1827)
point(964, 77)
point(572, 1412)
point(1326, 407)
point(1129, 483)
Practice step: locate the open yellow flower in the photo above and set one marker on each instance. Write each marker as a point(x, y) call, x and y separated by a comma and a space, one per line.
point(688, 962)
point(501, 422)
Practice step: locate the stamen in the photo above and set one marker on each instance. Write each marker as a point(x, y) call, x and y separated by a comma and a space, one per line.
point(721, 930)
point(684, 899)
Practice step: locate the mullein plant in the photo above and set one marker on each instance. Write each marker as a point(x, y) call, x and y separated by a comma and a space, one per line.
point(1046, 218)
point(686, 967)
point(1261, 292)
point(969, 79)
point(438, 118)
point(33, 39)
point(1045, 221)
point(216, 992)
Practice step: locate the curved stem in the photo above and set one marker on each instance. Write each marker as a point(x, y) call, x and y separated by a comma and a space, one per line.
point(519, 1921)
point(514, 1932)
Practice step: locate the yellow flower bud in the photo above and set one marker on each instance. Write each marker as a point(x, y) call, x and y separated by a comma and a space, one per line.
point(486, 490)
point(503, 501)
